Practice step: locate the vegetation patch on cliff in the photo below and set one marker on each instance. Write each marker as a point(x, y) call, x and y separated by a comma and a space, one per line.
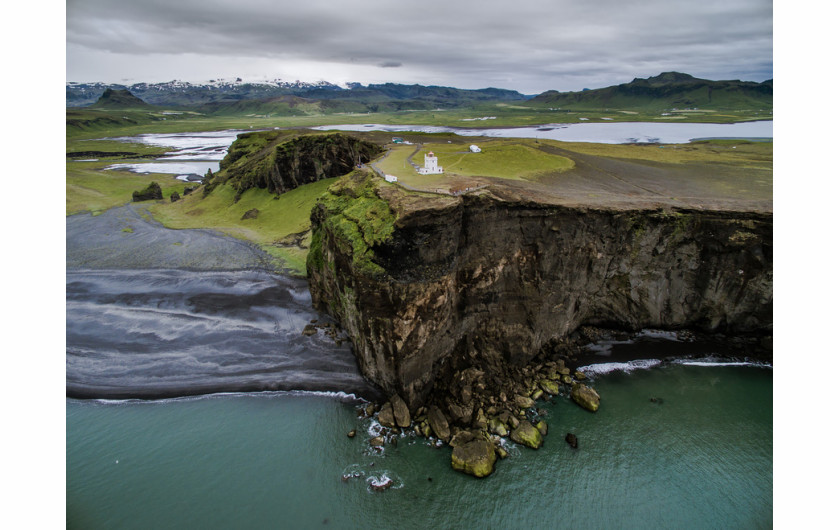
point(357, 219)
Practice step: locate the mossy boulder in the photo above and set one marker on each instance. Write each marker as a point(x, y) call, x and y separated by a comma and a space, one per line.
point(497, 426)
point(151, 192)
point(586, 397)
point(527, 435)
point(550, 387)
point(476, 458)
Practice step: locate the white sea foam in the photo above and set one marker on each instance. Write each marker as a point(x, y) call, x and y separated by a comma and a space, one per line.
point(341, 396)
point(605, 368)
point(718, 362)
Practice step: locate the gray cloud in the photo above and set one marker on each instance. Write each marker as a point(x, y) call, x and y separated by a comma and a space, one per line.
point(533, 46)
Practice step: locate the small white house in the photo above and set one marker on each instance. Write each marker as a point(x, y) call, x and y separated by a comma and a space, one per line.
point(390, 178)
point(431, 166)
point(475, 149)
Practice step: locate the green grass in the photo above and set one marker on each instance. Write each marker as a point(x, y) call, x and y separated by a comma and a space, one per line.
point(90, 188)
point(513, 159)
point(279, 216)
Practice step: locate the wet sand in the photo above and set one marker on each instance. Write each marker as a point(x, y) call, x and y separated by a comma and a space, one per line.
point(158, 313)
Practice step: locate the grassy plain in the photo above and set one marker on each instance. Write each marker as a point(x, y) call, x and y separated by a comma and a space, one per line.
point(280, 227)
point(91, 188)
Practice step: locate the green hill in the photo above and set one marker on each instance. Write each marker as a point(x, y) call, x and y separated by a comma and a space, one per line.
point(669, 90)
point(119, 99)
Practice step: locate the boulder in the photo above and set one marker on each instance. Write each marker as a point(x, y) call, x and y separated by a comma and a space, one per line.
point(460, 413)
point(523, 402)
point(461, 438)
point(509, 419)
point(377, 441)
point(549, 387)
point(253, 213)
point(309, 330)
point(528, 435)
point(497, 426)
point(386, 416)
point(542, 426)
point(480, 421)
point(401, 414)
point(438, 423)
point(572, 440)
point(475, 458)
point(580, 376)
point(586, 397)
point(351, 434)
point(174, 197)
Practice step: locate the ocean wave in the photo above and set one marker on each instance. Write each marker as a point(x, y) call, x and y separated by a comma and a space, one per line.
point(713, 361)
point(341, 396)
point(605, 368)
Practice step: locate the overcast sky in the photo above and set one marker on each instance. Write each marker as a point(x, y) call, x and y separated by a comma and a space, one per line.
point(530, 46)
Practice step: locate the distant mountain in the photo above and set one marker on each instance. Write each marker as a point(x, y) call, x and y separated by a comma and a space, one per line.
point(668, 90)
point(227, 93)
point(118, 99)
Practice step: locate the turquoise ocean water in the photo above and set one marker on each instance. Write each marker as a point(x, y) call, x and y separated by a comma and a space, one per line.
point(698, 457)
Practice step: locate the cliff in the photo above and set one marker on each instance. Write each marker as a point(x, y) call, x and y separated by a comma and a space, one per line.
point(454, 291)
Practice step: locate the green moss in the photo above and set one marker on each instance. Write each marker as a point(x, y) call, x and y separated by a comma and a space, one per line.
point(358, 220)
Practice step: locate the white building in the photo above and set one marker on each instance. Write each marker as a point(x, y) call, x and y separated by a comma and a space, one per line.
point(431, 167)
point(475, 149)
point(390, 178)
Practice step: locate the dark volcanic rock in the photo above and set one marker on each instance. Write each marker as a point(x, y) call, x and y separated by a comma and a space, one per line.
point(438, 423)
point(572, 440)
point(253, 213)
point(490, 279)
point(401, 415)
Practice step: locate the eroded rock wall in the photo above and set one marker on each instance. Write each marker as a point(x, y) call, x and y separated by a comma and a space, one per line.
point(483, 282)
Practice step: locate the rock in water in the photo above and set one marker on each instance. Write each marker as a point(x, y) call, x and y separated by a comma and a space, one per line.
point(586, 397)
point(475, 458)
point(542, 426)
point(351, 434)
point(572, 440)
point(438, 423)
point(401, 414)
point(528, 435)
point(386, 416)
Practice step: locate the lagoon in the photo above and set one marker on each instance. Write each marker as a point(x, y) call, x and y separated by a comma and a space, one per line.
point(609, 133)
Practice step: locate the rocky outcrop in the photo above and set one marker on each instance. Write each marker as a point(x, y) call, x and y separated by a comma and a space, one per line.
point(279, 161)
point(451, 292)
point(151, 192)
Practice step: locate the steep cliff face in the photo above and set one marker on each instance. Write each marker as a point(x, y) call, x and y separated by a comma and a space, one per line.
point(484, 282)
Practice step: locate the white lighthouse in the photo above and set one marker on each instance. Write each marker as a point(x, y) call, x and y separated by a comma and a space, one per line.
point(431, 165)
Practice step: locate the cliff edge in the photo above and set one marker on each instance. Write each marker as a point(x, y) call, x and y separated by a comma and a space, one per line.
point(453, 292)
